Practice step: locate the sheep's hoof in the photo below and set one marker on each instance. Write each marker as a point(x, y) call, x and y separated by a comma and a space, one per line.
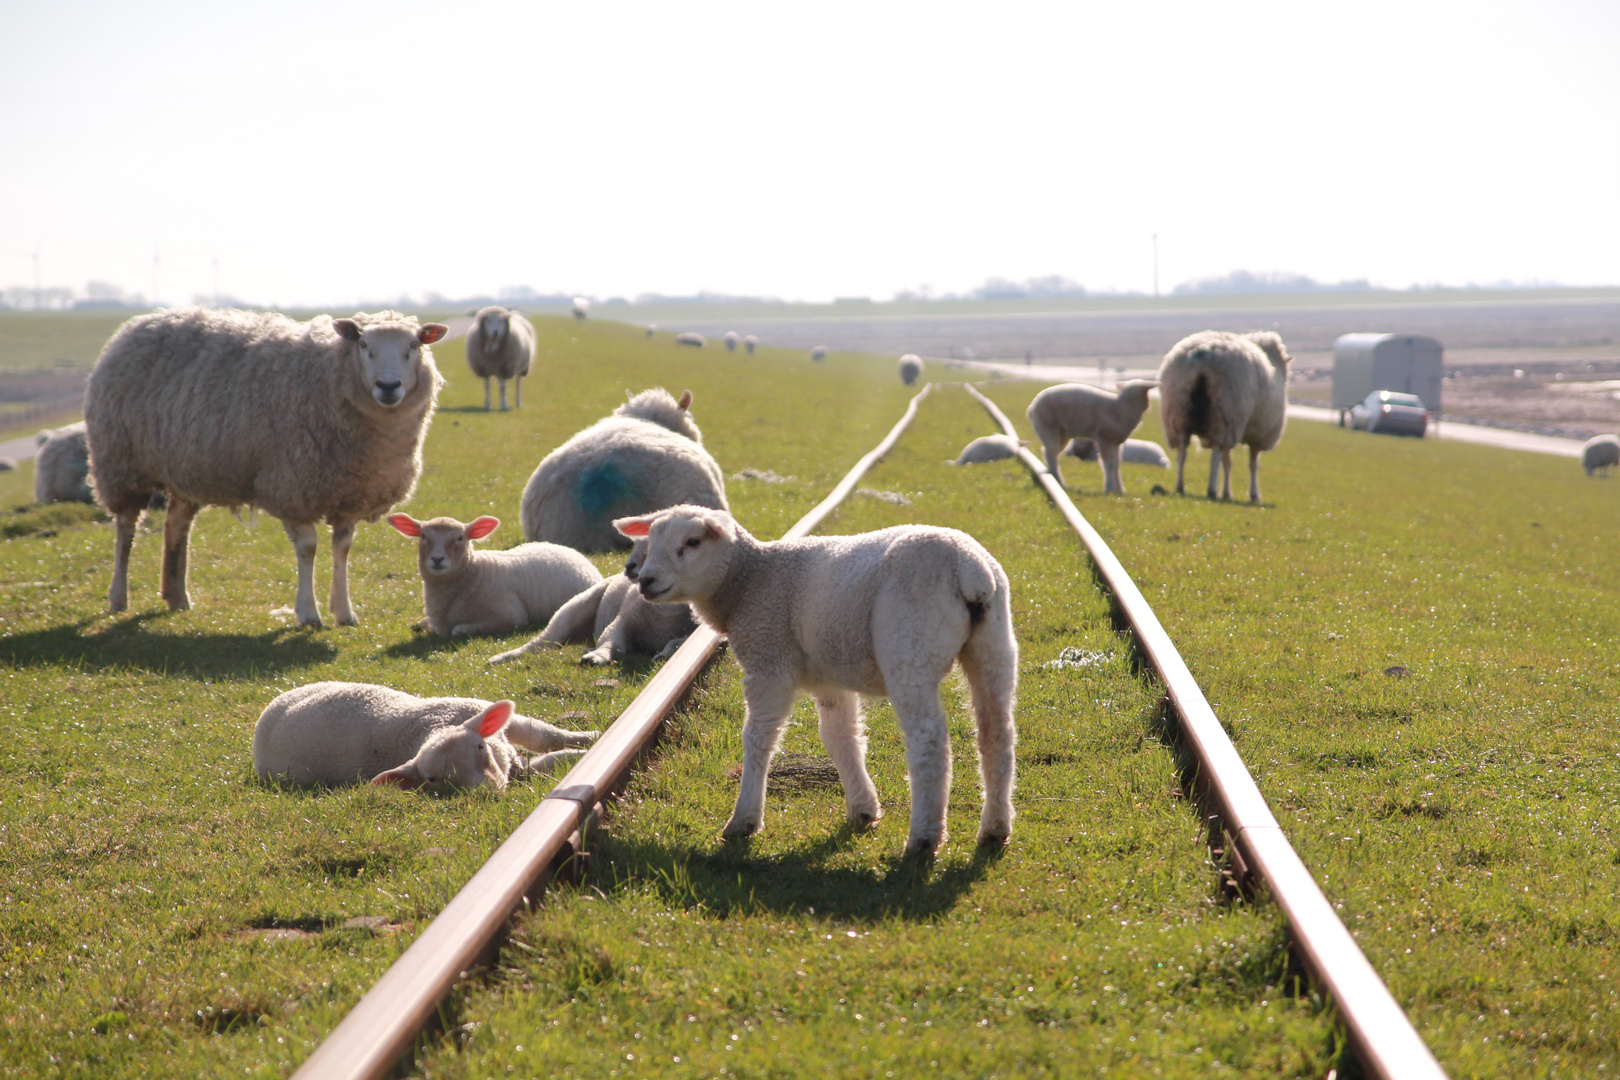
point(310, 620)
point(739, 830)
point(922, 848)
point(349, 620)
point(865, 819)
point(596, 659)
point(178, 603)
point(993, 840)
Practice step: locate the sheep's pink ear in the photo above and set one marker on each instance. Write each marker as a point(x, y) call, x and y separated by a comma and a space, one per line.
point(482, 527)
point(494, 718)
point(686, 400)
point(716, 527)
point(405, 776)
point(634, 527)
point(432, 332)
point(405, 524)
point(347, 329)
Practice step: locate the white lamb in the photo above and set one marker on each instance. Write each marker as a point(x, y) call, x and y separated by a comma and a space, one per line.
point(62, 465)
point(1133, 452)
point(1599, 454)
point(345, 733)
point(647, 455)
point(818, 353)
point(911, 366)
point(750, 343)
point(490, 592)
point(988, 448)
point(1077, 411)
point(312, 421)
point(731, 340)
point(1226, 389)
point(881, 613)
point(500, 345)
point(690, 338)
point(582, 307)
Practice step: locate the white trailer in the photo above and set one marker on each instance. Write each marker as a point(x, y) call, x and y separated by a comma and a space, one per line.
point(1410, 363)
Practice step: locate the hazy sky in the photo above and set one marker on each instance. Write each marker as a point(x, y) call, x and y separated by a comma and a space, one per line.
point(324, 152)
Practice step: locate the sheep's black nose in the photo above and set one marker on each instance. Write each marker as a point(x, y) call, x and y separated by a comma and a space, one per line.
point(389, 388)
point(647, 585)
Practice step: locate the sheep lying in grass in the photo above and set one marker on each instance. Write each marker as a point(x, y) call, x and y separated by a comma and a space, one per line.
point(312, 421)
point(345, 733)
point(1600, 454)
point(818, 353)
point(911, 366)
point(689, 338)
point(582, 307)
point(881, 613)
point(1132, 452)
point(646, 456)
point(750, 343)
point(1226, 389)
point(62, 466)
point(1076, 411)
point(490, 592)
point(988, 448)
point(500, 345)
point(615, 616)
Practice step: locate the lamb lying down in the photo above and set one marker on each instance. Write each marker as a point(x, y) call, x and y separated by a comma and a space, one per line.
point(345, 733)
point(1131, 452)
point(988, 448)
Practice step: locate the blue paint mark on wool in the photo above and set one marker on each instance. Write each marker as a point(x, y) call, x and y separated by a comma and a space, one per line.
point(602, 486)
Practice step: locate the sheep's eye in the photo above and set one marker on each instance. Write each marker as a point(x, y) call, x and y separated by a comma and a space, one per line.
point(694, 541)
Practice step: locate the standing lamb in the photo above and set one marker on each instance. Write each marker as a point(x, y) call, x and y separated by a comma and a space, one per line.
point(750, 343)
point(582, 307)
point(343, 733)
point(1599, 454)
point(500, 345)
point(911, 366)
point(881, 613)
point(731, 340)
point(62, 466)
point(1226, 389)
point(307, 421)
point(490, 592)
point(1077, 411)
point(647, 455)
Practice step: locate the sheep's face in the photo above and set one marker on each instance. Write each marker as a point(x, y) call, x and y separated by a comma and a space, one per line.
point(390, 357)
point(493, 326)
point(687, 551)
point(638, 555)
point(443, 545)
point(466, 755)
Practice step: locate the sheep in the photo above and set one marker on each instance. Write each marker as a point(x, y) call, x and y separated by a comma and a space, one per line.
point(731, 340)
point(490, 592)
point(306, 421)
point(9, 464)
point(818, 353)
point(500, 345)
point(880, 613)
point(652, 328)
point(1600, 454)
point(988, 448)
point(1131, 452)
point(750, 343)
point(1075, 410)
point(342, 733)
point(615, 616)
point(62, 466)
point(696, 341)
point(647, 455)
point(1226, 389)
point(911, 366)
point(582, 307)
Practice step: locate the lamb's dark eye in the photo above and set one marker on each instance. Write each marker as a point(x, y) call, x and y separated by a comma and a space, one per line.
point(694, 542)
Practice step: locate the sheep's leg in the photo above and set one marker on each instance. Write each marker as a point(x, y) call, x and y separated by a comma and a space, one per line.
point(1226, 474)
point(338, 599)
point(517, 392)
point(928, 765)
point(1052, 444)
point(304, 542)
point(1181, 468)
point(486, 393)
point(537, 735)
point(843, 733)
point(176, 545)
point(1108, 456)
point(1254, 474)
point(1214, 472)
point(503, 395)
point(118, 595)
point(768, 708)
point(991, 667)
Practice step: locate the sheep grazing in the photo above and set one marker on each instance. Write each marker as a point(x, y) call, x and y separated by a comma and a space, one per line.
point(696, 341)
point(880, 613)
point(911, 366)
point(582, 307)
point(1132, 452)
point(988, 448)
point(62, 466)
point(818, 353)
point(490, 592)
point(652, 328)
point(312, 421)
point(344, 733)
point(1598, 455)
point(500, 345)
point(1226, 389)
point(1077, 411)
point(647, 455)
point(617, 618)
point(731, 340)
point(750, 343)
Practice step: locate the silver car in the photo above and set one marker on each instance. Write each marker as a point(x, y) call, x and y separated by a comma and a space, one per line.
point(1390, 412)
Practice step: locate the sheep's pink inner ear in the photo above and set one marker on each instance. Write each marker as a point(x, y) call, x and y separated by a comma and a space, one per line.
point(482, 527)
point(432, 332)
point(495, 717)
point(715, 529)
point(347, 329)
point(404, 776)
point(405, 524)
point(633, 527)
point(686, 399)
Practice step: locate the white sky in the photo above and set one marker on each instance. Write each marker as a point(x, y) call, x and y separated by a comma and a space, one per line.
point(329, 151)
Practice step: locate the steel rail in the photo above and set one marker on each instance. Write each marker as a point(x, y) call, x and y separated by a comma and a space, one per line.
point(1380, 1033)
point(383, 1025)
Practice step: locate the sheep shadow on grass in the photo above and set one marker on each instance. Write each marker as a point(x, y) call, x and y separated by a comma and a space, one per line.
point(128, 642)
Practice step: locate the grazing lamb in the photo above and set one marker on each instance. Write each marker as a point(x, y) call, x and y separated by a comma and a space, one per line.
point(750, 343)
point(307, 421)
point(490, 592)
point(582, 307)
point(62, 466)
point(818, 353)
point(881, 613)
point(988, 448)
point(1600, 454)
point(615, 616)
point(689, 338)
point(1226, 389)
point(1133, 452)
point(731, 340)
point(345, 733)
point(646, 456)
point(1076, 411)
point(911, 366)
point(500, 345)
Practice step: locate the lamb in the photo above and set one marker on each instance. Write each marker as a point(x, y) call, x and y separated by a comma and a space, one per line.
point(582, 307)
point(617, 618)
point(750, 343)
point(1226, 389)
point(731, 340)
point(988, 448)
point(306, 421)
point(1600, 454)
point(911, 366)
point(500, 345)
point(343, 733)
point(62, 466)
point(1074, 411)
point(880, 613)
point(689, 338)
point(490, 592)
point(818, 353)
point(1131, 452)
point(647, 455)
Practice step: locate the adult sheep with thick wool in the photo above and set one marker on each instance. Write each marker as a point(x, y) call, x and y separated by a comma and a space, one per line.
point(1600, 454)
point(344, 733)
point(62, 465)
point(465, 591)
point(308, 421)
point(500, 345)
point(1077, 411)
point(581, 307)
point(1226, 389)
point(731, 339)
point(645, 456)
point(750, 343)
point(884, 613)
point(911, 367)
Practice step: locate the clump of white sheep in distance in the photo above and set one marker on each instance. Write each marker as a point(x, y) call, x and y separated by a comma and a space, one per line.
point(1077, 411)
point(911, 366)
point(62, 465)
point(1225, 389)
point(308, 421)
point(1600, 454)
point(581, 307)
point(500, 345)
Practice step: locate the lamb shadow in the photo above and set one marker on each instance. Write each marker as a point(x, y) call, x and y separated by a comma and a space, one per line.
point(421, 645)
point(130, 643)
